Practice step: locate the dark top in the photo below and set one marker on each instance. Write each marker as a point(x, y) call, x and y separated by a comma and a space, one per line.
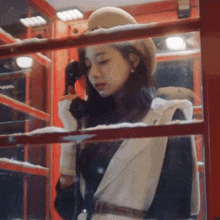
point(173, 195)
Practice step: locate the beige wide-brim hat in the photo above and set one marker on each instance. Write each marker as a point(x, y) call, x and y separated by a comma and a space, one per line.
point(109, 17)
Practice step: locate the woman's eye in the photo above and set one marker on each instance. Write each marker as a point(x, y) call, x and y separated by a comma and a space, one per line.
point(103, 62)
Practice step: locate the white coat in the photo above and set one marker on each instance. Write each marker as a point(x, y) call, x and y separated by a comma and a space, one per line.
point(132, 177)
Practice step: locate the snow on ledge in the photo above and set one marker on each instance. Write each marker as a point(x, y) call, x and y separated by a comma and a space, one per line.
point(53, 129)
point(119, 125)
point(21, 163)
point(29, 41)
point(137, 124)
point(50, 129)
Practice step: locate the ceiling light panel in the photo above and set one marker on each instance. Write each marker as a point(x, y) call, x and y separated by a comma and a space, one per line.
point(33, 21)
point(69, 14)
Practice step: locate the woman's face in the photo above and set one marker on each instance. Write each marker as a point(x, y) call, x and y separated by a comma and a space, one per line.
point(108, 70)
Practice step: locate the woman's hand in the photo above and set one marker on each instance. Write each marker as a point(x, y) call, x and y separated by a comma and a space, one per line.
point(70, 97)
point(66, 181)
point(71, 94)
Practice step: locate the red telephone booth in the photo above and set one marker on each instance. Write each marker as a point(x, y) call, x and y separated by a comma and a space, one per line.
point(29, 96)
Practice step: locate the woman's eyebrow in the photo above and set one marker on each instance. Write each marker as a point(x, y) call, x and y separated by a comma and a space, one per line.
point(100, 53)
point(97, 55)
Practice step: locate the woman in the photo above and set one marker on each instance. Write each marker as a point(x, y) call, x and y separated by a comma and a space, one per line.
point(149, 178)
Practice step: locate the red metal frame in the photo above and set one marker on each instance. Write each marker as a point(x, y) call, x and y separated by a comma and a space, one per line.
point(24, 168)
point(5, 100)
point(44, 7)
point(6, 38)
point(127, 33)
point(60, 59)
point(210, 45)
point(103, 134)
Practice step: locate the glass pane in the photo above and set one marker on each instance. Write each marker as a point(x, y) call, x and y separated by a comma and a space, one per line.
point(28, 85)
point(13, 13)
point(178, 72)
point(13, 121)
point(12, 193)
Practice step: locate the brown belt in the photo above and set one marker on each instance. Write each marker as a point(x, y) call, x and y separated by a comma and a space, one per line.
point(106, 208)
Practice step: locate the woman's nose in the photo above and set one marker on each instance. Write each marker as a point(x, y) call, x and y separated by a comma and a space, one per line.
point(94, 71)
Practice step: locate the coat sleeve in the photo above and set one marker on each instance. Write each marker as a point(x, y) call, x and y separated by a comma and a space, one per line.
point(173, 195)
point(65, 201)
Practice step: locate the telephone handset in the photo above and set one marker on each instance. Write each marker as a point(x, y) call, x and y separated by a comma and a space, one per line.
point(78, 107)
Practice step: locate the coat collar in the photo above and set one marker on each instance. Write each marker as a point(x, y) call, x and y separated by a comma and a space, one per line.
point(124, 155)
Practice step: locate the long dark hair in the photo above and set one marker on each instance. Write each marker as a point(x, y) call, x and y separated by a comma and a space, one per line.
point(136, 95)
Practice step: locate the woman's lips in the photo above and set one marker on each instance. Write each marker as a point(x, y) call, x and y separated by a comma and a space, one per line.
point(99, 86)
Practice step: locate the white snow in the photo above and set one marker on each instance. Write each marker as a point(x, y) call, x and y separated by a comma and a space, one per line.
point(119, 125)
point(50, 129)
point(121, 28)
point(54, 129)
point(26, 41)
point(184, 122)
point(29, 41)
point(26, 164)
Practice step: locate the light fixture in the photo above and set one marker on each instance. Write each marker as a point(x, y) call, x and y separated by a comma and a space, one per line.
point(69, 14)
point(33, 21)
point(24, 62)
point(175, 43)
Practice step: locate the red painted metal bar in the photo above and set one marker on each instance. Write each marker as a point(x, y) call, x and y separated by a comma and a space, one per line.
point(210, 47)
point(8, 39)
point(111, 35)
point(44, 7)
point(103, 134)
point(23, 168)
point(5, 100)
point(60, 59)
